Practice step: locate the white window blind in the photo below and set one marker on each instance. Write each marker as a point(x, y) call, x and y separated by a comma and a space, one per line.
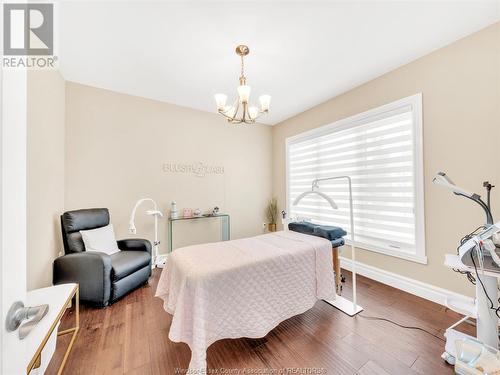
point(381, 151)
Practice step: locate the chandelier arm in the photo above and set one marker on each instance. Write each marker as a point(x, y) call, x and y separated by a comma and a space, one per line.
point(226, 116)
point(222, 111)
point(232, 119)
point(237, 106)
point(246, 114)
point(259, 114)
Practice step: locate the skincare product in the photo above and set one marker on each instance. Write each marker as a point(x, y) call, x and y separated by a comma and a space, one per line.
point(174, 214)
point(187, 212)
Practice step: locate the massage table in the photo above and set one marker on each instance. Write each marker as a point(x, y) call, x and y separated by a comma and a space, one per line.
point(243, 288)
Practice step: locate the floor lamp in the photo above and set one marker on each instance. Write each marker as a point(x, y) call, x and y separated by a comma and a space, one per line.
point(155, 213)
point(351, 308)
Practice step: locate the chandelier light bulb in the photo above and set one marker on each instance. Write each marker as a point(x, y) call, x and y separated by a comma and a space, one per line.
point(265, 101)
point(244, 93)
point(220, 100)
point(253, 112)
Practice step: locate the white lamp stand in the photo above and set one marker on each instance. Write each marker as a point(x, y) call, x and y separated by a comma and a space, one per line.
point(350, 308)
point(155, 213)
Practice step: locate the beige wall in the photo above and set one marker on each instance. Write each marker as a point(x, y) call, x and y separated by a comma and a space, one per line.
point(461, 116)
point(45, 174)
point(116, 145)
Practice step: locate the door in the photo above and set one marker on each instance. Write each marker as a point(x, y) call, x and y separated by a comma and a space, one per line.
point(13, 354)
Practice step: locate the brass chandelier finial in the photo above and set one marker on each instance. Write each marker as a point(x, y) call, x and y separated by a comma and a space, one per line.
point(242, 50)
point(247, 114)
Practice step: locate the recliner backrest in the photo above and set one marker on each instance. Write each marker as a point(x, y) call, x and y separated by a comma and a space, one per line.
point(72, 222)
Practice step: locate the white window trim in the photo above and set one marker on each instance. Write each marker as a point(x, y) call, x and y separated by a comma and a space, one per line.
point(415, 101)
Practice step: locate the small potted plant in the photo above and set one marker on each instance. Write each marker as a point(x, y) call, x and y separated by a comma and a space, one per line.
point(272, 214)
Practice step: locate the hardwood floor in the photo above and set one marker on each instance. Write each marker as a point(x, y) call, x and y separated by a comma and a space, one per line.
point(131, 337)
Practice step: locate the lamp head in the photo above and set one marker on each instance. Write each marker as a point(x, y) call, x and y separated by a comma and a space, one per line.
point(154, 213)
point(443, 180)
point(321, 194)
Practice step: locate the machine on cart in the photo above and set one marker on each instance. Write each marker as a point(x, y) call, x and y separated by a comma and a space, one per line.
point(478, 258)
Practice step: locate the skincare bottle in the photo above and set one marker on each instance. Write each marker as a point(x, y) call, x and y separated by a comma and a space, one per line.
point(174, 214)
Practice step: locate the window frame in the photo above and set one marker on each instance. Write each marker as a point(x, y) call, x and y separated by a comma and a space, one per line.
point(415, 101)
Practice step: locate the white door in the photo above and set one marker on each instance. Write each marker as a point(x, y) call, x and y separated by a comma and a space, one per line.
point(13, 219)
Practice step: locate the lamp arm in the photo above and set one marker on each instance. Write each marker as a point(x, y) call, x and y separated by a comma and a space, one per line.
point(317, 180)
point(476, 198)
point(137, 204)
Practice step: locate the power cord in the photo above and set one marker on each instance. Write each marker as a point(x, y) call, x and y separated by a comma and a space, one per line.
point(464, 239)
point(400, 325)
point(472, 278)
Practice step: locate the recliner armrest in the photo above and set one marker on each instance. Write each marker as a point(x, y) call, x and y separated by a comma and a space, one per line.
point(134, 244)
point(91, 270)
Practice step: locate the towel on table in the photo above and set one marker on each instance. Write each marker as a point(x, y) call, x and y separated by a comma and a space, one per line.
point(326, 231)
point(329, 232)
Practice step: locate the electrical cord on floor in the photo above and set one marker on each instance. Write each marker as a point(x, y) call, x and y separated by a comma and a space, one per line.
point(400, 325)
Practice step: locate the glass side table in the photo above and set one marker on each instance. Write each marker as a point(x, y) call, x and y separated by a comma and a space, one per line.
point(224, 219)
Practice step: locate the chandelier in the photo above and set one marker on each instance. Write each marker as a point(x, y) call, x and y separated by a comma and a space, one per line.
point(241, 111)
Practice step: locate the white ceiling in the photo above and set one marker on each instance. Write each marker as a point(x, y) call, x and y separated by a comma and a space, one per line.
point(302, 53)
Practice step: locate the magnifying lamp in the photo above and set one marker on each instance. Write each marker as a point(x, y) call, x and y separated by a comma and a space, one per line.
point(339, 302)
point(443, 180)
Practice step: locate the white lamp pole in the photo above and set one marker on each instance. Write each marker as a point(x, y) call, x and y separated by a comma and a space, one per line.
point(156, 213)
point(340, 302)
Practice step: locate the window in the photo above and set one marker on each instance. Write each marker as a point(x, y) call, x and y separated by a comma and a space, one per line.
point(381, 150)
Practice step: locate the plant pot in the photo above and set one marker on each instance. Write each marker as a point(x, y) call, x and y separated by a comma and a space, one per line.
point(271, 227)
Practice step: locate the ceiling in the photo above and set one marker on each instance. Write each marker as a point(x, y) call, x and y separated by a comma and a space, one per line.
point(301, 53)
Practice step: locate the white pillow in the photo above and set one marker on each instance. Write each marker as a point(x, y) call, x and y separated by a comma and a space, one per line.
point(100, 239)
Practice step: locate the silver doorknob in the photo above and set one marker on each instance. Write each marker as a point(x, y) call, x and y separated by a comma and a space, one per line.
point(18, 312)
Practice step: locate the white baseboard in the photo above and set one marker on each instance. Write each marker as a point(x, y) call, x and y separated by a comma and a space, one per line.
point(412, 286)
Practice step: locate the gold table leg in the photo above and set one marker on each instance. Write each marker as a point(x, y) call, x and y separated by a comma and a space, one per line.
point(36, 360)
point(73, 330)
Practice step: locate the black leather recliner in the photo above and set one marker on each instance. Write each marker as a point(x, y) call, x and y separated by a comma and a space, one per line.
point(102, 278)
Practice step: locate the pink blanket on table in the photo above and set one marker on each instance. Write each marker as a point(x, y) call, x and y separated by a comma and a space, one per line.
point(242, 288)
